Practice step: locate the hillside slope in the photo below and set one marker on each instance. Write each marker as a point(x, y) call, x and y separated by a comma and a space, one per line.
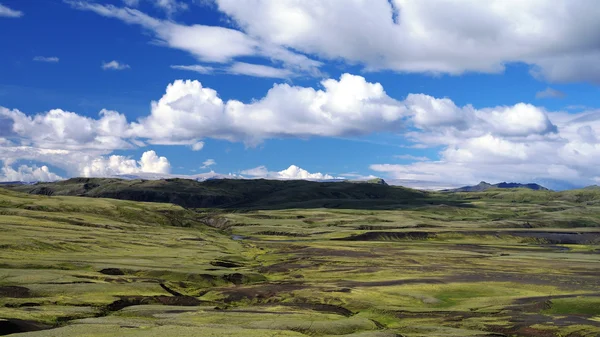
point(226, 193)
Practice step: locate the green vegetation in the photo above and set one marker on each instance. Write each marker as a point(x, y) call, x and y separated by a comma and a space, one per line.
point(297, 259)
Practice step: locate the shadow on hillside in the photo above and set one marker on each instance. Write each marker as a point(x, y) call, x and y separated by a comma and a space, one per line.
point(242, 195)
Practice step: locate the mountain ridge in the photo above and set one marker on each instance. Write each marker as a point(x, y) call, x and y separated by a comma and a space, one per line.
point(230, 193)
point(484, 186)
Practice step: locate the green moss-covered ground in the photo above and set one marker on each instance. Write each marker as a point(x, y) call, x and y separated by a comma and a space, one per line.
point(480, 264)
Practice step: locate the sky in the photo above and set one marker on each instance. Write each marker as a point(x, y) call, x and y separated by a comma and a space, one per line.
point(426, 94)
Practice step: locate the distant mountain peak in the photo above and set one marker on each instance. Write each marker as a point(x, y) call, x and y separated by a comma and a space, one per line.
point(484, 186)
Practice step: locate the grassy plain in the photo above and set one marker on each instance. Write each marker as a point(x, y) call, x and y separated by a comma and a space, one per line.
point(496, 263)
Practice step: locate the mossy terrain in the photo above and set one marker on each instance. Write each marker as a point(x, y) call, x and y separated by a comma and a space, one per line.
point(494, 263)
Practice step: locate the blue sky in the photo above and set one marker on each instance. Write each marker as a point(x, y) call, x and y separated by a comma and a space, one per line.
point(424, 94)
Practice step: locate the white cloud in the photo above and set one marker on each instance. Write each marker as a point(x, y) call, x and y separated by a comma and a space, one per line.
point(240, 68)
point(131, 3)
point(52, 59)
point(170, 7)
point(197, 146)
point(524, 150)
point(520, 142)
point(206, 43)
point(258, 70)
point(559, 40)
point(350, 106)
point(114, 65)
point(59, 129)
point(208, 163)
point(28, 174)
point(197, 68)
point(150, 162)
point(550, 93)
point(411, 157)
point(9, 13)
point(292, 172)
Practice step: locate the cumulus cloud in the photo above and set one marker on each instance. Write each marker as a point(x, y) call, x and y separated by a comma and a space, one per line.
point(28, 174)
point(150, 162)
point(550, 93)
point(208, 163)
point(292, 172)
point(560, 42)
point(64, 130)
point(350, 106)
point(9, 13)
point(114, 65)
point(445, 122)
point(487, 152)
point(520, 142)
point(52, 59)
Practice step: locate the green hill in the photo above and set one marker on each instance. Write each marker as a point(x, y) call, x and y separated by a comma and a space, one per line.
point(232, 193)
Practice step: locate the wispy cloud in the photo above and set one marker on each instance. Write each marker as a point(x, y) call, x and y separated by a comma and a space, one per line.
point(258, 70)
point(213, 44)
point(208, 163)
point(9, 13)
point(197, 68)
point(114, 65)
point(411, 157)
point(52, 59)
point(550, 93)
point(240, 68)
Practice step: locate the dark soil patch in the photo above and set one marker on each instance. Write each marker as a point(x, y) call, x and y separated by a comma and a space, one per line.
point(192, 239)
point(14, 292)
point(170, 291)
point(575, 281)
point(112, 271)
point(127, 301)
point(11, 326)
point(387, 236)
point(271, 217)
point(22, 305)
point(341, 290)
point(424, 225)
point(539, 299)
point(347, 283)
point(541, 237)
point(239, 278)
point(278, 233)
point(226, 264)
point(521, 331)
point(556, 238)
point(104, 279)
point(375, 228)
point(263, 292)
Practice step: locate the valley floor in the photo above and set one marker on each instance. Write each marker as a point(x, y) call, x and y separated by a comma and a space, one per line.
point(74, 266)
